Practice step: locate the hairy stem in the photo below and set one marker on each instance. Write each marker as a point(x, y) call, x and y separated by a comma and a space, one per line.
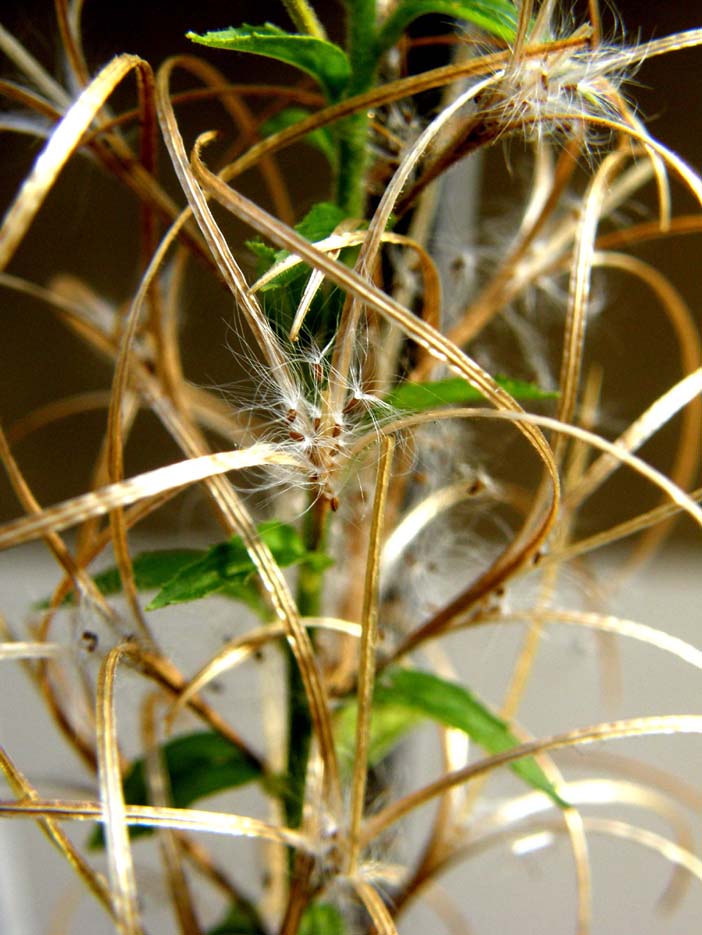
point(309, 599)
point(353, 131)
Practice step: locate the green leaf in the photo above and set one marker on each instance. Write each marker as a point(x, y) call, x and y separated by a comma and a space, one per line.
point(390, 723)
point(319, 222)
point(321, 919)
point(403, 698)
point(238, 922)
point(454, 706)
point(417, 397)
point(497, 17)
point(321, 139)
point(317, 919)
point(189, 574)
point(324, 61)
point(227, 568)
point(282, 294)
point(264, 253)
point(197, 765)
point(151, 570)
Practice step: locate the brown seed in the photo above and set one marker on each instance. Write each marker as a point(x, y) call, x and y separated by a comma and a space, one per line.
point(89, 640)
point(334, 504)
point(291, 415)
point(296, 436)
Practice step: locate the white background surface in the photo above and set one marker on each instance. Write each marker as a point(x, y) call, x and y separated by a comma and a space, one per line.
point(498, 891)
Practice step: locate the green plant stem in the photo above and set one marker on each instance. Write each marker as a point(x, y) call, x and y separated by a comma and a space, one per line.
point(352, 161)
point(362, 45)
point(353, 131)
point(304, 18)
point(299, 736)
point(309, 599)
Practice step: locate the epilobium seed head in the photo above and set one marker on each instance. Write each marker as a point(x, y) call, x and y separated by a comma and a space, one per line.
point(546, 93)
